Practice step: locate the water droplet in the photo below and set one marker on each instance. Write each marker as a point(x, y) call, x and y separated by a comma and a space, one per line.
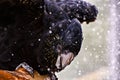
point(50, 27)
point(61, 12)
point(38, 65)
point(5, 29)
point(48, 69)
point(98, 33)
point(93, 29)
point(61, 29)
point(41, 6)
point(76, 42)
point(94, 49)
point(35, 18)
point(84, 18)
point(15, 42)
point(53, 24)
point(77, 5)
point(79, 72)
point(100, 46)
point(12, 54)
point(91, 54)
point(86, 48)
point(97, 56)
point(52, 72)
point(57, 37)
point(60, 25)
point(39, 39)
point(50, 31)
point(50, 12)
point(77, 15)
point(54, 38)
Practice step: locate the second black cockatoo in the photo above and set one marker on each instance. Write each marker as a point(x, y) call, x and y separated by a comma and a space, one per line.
point(47, 34)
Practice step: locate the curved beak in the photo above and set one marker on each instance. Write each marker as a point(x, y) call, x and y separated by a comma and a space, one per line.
point(63, 60)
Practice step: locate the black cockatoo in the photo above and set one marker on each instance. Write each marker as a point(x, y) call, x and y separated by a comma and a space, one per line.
point(45, 34)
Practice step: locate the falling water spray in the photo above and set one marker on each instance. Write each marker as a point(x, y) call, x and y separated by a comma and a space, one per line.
point(114, 40)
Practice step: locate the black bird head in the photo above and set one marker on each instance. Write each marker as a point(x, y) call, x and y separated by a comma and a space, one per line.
point(69, 47)
point(61, 39)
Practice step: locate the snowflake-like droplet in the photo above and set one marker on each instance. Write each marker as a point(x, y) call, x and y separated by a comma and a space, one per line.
point(50, 31)
point(39, 39)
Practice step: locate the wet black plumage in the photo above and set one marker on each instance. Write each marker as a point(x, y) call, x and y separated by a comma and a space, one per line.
point(37, 32)
point(83, 11)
